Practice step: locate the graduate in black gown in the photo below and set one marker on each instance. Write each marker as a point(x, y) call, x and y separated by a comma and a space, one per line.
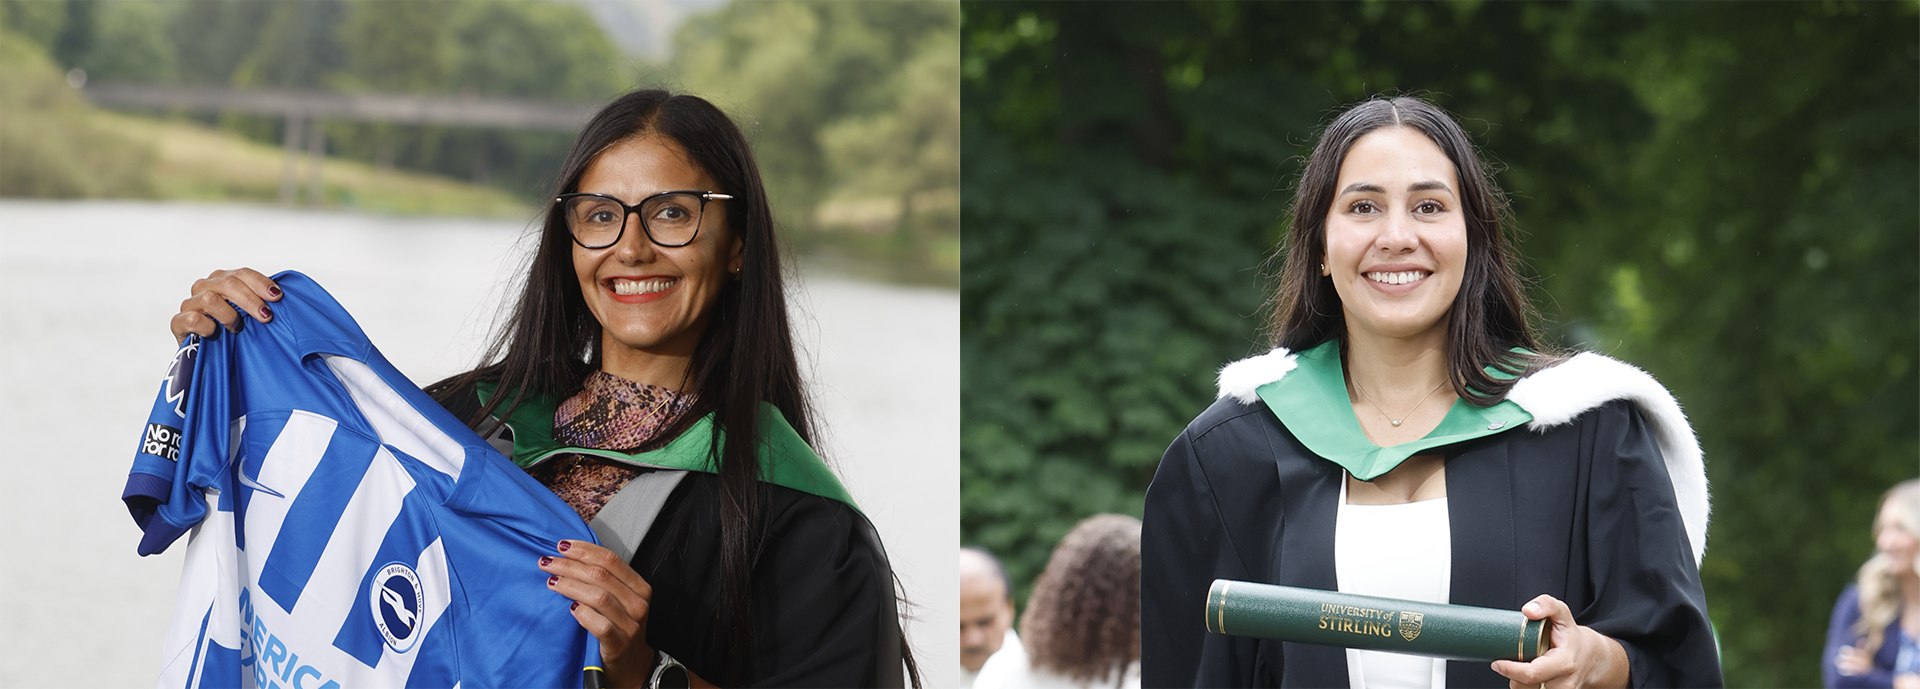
point(647, 374)
point(1406, 380)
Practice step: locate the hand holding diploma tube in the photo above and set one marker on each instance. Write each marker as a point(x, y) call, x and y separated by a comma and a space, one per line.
point(1287, 613)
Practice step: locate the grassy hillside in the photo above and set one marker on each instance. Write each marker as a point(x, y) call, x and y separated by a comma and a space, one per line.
point(50, 146)
point(54, 144)
point(198, 162)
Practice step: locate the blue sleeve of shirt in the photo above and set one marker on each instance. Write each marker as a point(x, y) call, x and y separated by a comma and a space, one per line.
point(183, 446)
point(1846, 612)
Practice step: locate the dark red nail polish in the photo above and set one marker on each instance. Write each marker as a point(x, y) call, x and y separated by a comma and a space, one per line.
point(575, 606)
point(545, 560)
point(564, 545)
point(553, 579)
point(266, 311)
point(274, 290)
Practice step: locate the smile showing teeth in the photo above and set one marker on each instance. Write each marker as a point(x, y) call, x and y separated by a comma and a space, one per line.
point(1397, 278)
point(629, 287)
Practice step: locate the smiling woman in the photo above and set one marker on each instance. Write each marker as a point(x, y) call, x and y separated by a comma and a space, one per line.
point(652, 289)
point(1376, 450)
point(1396, 239)
point(647, 375)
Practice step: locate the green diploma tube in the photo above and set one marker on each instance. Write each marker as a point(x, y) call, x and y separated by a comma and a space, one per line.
point(1331, 618)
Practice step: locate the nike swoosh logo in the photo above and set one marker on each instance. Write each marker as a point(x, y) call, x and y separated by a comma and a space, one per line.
point(256, 485)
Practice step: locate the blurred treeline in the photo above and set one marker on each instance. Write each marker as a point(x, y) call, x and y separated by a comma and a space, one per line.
point(851, 106)
point(1723, 194)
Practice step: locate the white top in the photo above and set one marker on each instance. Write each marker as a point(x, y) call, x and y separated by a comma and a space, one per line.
point(1395, 551)
point(1010, 652)
point(1003, 673)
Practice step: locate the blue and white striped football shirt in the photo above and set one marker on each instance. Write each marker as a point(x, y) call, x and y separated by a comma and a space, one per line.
point(346, 530)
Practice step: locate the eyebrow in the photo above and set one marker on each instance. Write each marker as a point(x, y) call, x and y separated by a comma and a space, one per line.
point(1371, 188)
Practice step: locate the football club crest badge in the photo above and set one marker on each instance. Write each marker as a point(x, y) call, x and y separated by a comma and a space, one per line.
point(397, 606)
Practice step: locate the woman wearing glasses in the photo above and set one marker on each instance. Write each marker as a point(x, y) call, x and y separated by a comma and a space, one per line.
point(1408, 437)
point(654, 319)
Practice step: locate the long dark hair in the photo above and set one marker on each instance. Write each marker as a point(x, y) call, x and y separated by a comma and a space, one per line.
point(746, 357)
point(1083, 620)
point(1491, 314)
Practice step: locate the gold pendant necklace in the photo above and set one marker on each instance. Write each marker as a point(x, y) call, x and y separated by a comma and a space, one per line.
point(665, 398)
point(1383, 410)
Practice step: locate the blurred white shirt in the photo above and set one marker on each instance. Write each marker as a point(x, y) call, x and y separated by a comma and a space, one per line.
point(1009, 646)
point(1011, 670)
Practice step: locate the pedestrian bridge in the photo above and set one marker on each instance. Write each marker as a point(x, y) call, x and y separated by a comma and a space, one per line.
point(303, 109)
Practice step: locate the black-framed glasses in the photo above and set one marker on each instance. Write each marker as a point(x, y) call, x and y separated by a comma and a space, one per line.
point(669, 218)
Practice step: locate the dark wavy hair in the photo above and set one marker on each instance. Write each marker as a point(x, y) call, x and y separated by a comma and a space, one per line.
point(1489, 317)
point(746, 357)
point(1083, 620)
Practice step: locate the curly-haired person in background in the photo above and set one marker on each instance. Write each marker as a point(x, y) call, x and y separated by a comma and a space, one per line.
point(1876, 621)
point(1082, 626)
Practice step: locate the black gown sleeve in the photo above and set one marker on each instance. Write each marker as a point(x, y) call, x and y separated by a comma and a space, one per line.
point(1648, 594)
point(824, 604)
point(823, 612)
point(1183, 547)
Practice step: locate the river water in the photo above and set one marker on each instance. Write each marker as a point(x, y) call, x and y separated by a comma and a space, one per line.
point(86, 289)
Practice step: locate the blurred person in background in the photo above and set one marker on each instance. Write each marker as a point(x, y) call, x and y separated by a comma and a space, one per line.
point(986, 612)
point(1874, 638)
point(1082, 626)
point(656, 301)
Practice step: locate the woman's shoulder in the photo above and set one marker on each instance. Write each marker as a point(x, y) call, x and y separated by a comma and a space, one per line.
point(1615, 399)
point(1237, 401)
point(793, 518)
point(794, 510)
point(1227, 414)
point(1848, 603)
point(1562, 392)
point(459, 393)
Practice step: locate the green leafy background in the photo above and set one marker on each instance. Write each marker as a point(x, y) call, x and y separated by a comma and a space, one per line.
point(1723, 194)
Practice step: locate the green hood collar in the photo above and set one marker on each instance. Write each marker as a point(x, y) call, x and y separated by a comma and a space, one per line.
point(785, 459)
point(1313, 405)
point(1308, 393)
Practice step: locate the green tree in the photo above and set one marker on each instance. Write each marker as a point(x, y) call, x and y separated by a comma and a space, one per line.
point(909, 146)
point(789, 69)
point(214, 37)
point(297, 46)
point(130, 43)
point(1780, 283)
point(538, 51)
point(51, 146)
point(393, 47)
point(39, 21)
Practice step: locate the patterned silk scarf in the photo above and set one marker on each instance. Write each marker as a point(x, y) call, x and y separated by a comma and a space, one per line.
point(609, 413)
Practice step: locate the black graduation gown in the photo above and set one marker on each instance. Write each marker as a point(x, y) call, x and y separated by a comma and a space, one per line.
point(823, 602)
point(823, 609)
point(1584, 512)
